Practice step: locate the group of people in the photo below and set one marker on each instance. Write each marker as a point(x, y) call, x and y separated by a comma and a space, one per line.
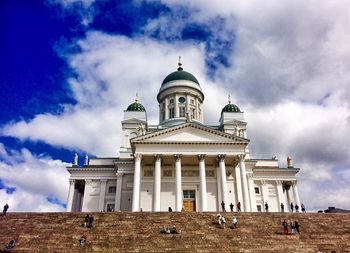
point(296, 207)
point(167, 230)
point(294, 226)
point(221, 221)
point(231, 206)
point(88, 221)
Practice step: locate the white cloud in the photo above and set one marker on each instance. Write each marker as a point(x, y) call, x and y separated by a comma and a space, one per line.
point(83, 8)
point(110, 70)
point(35, 178)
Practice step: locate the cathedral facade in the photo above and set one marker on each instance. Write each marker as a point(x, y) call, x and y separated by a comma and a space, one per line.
point(181, 163)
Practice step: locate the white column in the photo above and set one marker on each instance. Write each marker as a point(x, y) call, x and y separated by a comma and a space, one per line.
point(176, 105)
point(239, 187)
point(118, 193)
point(290, 198)
point(178, 200)
point(157, 183)
point(166, 108)
point(70, 195)
point(252, 192)
point(280, 195)
point(265, 193)
point(221, 159)
point(85, 207)
point(203, 183)
point(218, 179)
point(137, 183)
point(296, 194)
point(101, 202)
point(246, 199)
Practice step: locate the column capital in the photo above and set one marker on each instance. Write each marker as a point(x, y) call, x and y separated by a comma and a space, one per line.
point(157, 157)
point(71, 181)
point(263, 182)
point(201, 157)
point(119, 174)
point(88, 181)
point(138, 156)
point(250, 175)
point(241, 157)
point(177, 157)
point(293, 183)
point(221, 157)
point(279, 182)
point(103, 180)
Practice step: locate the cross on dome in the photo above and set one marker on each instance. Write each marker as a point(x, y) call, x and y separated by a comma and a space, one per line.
point(179, 64)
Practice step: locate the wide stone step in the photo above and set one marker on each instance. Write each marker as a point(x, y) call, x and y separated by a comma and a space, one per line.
point(140, 232)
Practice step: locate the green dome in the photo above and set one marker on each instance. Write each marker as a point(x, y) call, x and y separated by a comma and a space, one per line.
point(230, 108)
point(180, 74)
point(136, 106)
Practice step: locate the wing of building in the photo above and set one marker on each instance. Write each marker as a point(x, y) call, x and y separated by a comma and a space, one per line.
point(182, 163)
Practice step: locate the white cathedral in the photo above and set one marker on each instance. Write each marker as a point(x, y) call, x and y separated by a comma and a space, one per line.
point(181, 163)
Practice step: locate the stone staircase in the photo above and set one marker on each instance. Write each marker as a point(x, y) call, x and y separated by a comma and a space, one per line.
point(140, 232)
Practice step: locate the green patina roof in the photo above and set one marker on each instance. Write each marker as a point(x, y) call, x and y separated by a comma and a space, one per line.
point(180, 74)
point(136, 106)
point(230, 108)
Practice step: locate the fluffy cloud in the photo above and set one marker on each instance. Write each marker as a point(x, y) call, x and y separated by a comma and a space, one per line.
point(35, 180)
point(109, 70)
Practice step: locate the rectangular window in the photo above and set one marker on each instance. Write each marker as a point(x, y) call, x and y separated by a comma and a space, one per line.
point(257, 190)
point(189, 194)
point(163, 115)
point(182, 111)
point(112, 189)
point(171, 113)
point(193, 113)
point(258, 207)
point(171, 101)
point(192, 101)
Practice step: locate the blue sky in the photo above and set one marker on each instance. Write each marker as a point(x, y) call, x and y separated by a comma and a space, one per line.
point(70, 67)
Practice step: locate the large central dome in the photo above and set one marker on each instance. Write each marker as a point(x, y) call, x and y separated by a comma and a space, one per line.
point(180, 74)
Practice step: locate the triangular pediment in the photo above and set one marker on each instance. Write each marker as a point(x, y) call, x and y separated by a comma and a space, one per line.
point(189, 133)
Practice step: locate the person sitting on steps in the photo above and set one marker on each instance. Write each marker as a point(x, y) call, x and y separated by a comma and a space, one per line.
point(234, 222)
point(218, 219)
point(222, 222)
point(11, 244)
point(165, 230)
point(83, 239)
point(175, 231)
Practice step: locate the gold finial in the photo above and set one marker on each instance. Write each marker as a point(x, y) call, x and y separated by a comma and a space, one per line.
point(137, 98)
point(179, 64)
point(229, 98)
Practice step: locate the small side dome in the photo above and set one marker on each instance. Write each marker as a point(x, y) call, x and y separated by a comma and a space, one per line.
point(136, 106)
point(230, 107)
